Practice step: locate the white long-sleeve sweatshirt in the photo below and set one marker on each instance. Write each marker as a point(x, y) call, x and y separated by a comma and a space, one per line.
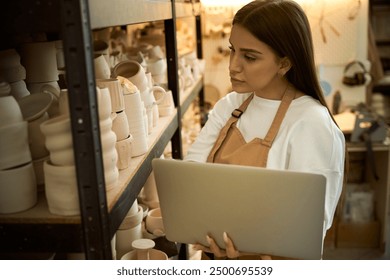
point(308, 139)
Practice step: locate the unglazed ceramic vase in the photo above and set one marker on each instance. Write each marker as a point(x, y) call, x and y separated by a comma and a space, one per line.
point(120, 125)
point(61, 189)
point(18, 189)
point(124, 238)
point(36, 139)
point(10, 67)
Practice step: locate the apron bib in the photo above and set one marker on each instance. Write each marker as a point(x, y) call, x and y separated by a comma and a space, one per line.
point(231, 147)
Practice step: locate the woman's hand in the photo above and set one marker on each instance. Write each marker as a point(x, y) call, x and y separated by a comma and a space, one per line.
point(230, 250)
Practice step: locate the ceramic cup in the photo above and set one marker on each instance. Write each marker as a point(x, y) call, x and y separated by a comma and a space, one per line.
point(133, 71)
point(156, 52)
point(104, 103)
point(124, 150)
point(154, 222)
point(113, 85)
point(10, 112)
point(14, 148)
point(18, 189)
point(61, 189)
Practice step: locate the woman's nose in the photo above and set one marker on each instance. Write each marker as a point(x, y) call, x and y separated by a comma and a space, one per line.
point(234, 64)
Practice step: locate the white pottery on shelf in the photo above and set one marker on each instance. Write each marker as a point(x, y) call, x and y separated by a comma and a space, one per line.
point(5, 88)
point(129, 230)
point(58, 140)
point(120, 125)
point(113, 85)
point(40, 60)
point(124, 150)
point(18, 189)
point(14, 148)
point(61, 189)
point(36, 138)
point(133, 71)
point(154, 222)
point(144, 250)
point(19, 89)
point(148, 194)
point(10, 67)
point(10, 112)
point(102, 69)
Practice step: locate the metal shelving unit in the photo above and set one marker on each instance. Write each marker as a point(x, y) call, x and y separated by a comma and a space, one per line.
point(36, 230)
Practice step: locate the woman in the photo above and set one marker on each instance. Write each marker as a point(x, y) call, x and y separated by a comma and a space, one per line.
point(276, 116)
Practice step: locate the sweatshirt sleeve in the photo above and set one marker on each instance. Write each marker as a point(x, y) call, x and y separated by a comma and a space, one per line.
point(319, 146)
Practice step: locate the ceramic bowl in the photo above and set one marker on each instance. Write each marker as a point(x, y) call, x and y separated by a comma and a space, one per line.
point(18, 189)
point(10, 112)
point(154, 222)
point(14, 148)
point(133, 220)
point(61, 189)
point(35, 105)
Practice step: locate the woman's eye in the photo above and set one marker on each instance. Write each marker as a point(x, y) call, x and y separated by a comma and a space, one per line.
point(249, 58)
point(231, 48)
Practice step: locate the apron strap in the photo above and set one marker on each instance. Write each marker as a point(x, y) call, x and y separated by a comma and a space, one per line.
point(236, 114)
point(282, 110)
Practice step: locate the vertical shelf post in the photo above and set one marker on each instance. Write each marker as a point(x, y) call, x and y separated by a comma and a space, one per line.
point(78, 48)
point(173, 82)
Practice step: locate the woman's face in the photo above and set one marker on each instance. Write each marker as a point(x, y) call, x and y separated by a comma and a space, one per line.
point(253, 64)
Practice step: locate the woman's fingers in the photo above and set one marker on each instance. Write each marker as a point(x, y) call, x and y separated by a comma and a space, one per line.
point(231, 250)
point(215, 248)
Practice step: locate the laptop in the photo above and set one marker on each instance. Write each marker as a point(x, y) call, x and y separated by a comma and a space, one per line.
point(275, 212)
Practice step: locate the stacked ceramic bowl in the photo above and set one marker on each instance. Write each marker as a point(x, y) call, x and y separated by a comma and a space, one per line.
point(120, 125)
point(13, 72)
point(108, 138)
point(18, 189)
point(34, 108)
point(59, 171)
point(40, 60)
point(129, 230)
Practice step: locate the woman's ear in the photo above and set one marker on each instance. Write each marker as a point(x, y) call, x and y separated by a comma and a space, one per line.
point(285, 65)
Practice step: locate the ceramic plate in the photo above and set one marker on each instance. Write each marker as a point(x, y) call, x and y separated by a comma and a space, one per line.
point(34, 105)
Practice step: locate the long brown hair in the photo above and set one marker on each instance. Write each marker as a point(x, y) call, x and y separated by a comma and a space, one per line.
point(283, 25)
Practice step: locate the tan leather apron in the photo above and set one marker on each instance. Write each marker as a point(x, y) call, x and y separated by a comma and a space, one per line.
point(231, 147)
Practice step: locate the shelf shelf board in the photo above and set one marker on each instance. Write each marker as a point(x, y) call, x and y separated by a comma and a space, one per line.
point(39, 214)
point(361, 147)
point(127, 12)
